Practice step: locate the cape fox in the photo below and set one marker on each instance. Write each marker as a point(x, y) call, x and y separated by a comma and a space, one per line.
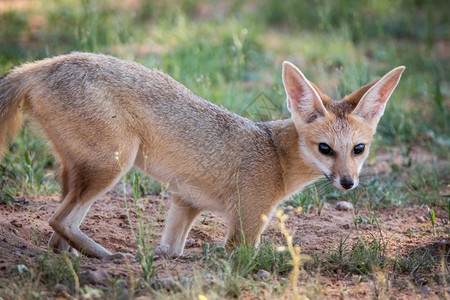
point(103, 116)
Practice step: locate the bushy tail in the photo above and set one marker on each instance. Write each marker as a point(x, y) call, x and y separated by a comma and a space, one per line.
point(12, 95)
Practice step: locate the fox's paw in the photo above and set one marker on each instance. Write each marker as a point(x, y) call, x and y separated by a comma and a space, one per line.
point(162, 251)
point(167, 252)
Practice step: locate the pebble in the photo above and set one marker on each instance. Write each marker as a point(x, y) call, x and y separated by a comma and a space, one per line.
point(344, 206)
point(15, 231)
point(96, 277)
point(189, 243)
point(20, 269)
point(288, 209)
point(263, 274)
point(16, 223)
point(167, 284)
point(119, 257)
point(420, 219)
point(425, 289)
point(326, 206)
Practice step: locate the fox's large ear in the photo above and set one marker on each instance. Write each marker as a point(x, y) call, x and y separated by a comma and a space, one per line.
point(303, 101)
point(375, 95)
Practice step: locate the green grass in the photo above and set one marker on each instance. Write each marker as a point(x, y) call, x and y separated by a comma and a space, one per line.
point(231, 55)
point(28, 168)
point(245, 260)
point(50, 270)
point(360, 258)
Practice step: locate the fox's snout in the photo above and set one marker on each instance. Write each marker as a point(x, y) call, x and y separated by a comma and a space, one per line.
point(347, 182)
point(344, 182)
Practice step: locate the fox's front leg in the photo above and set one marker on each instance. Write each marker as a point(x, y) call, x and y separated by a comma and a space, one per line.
point(246, 225)
point(178, 223)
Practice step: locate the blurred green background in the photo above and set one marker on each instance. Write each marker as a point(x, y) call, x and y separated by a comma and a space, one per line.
point(230, 52)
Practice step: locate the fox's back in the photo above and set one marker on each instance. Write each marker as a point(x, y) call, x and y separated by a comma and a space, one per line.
point(94, 85)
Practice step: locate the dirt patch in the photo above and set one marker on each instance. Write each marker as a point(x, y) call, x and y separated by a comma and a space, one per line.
point(24, 233)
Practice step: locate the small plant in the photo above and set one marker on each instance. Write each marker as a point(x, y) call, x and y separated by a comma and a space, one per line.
point(246, 260)
point(272, 260)
point(294, 251)
point(356, 197)
point(418, 259)
point(30, 178)
point(318, 201)
point(313, 196)
point(371, 219)
point(143, 230)
point(55, 269)
point(243, 260)
point(381, 285)
point(302, 199)
point(23, 169)
point(74, 274)
point(210, 254)
point(432, 217)
point(88, 292)
point(5, 198)
point(424, 185)
point(36, 238)
point(359, 258)
point(446, 206)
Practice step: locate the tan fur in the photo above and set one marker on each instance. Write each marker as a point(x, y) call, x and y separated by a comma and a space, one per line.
point(103, 115)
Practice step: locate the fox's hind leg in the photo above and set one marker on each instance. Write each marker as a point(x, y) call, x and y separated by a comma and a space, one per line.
point(57, 243)
point(86, 181)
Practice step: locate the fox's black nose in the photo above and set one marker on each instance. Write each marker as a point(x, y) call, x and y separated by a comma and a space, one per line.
point(347, 183)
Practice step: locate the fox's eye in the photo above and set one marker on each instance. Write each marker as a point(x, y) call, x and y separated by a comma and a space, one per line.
point(358, 149)
point(325, 149)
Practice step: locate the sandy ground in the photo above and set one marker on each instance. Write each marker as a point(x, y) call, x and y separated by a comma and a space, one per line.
point(24, 232)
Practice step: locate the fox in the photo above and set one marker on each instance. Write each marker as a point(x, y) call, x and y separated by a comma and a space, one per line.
point(102, 116)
